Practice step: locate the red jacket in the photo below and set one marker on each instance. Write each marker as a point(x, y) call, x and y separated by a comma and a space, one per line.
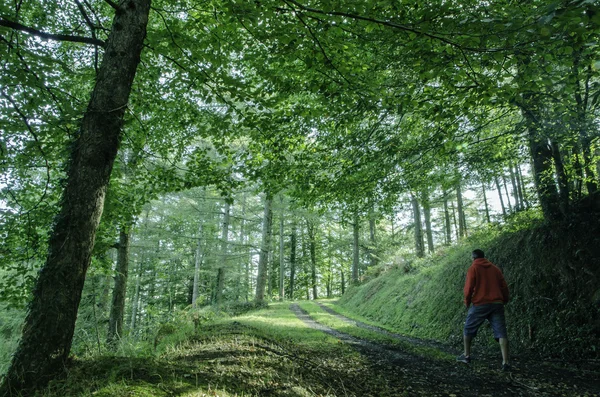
point(485, 284)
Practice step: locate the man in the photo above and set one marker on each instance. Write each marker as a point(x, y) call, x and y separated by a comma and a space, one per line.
point(486, 289)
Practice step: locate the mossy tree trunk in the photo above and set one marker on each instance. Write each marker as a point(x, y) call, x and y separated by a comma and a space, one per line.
point(50, 322)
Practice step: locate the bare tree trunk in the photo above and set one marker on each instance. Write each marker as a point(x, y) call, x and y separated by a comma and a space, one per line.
point(427, 216)
point(373, 246)
point(50, 322)
point(513, 181)
point(447, 224)
point(419, 246)
point(517, 173)
point(197, 263)
point(462, 220)
point(355, 250)
point(510, 207)
point(293, 244)
point(500, 195)
point(561, 176)
point(117, 308)
point(136, 295)
point(522, 187)
point(223, 254)
point(281, 252)
point(485, 202)
point(313, 256)
point(261, 279)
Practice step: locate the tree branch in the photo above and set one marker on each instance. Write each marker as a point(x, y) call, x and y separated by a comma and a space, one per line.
point(391, 25)
point(50, 36)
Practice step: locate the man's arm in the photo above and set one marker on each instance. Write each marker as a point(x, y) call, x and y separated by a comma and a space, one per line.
point(504, 289)
point(469, 286)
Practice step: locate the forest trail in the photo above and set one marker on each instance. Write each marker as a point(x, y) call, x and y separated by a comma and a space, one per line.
point(411, 373)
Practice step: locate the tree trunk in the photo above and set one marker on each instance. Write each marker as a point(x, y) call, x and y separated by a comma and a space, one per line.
point(485, 202)
point(50, 322)
point(447, 224)
point(355, 255)
point(293, 244)
point(497, 180)
point(520, 188)
point(510, 207)
point(343, 280)
point(419, 246)
point(541, 155)
point(281, 251)
point(513, 181)
point(562, 178)
point(427, 216)
point(223, 254)
point(197, 263)
point(117, 308)
point(313, 257)
point(373, 240)
point(263, 259)
point(136, 295)
point(462, 220)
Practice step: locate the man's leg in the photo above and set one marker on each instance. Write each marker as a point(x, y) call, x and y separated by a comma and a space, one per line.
point(467, 342)
point(503, 349)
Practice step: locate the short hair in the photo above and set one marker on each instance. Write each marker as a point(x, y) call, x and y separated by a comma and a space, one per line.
point(478, 254)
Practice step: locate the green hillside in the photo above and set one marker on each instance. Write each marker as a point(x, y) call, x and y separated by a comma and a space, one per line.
point(552, 272)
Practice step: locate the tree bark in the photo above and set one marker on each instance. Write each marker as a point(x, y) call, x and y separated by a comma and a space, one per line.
point(562, 178)
point(223, 254)
point(510, 207)
point(419, 246)
point(485, 202)
point(313, 257)
point(136, 295)
point(427, 216)
point(281, 251)
point(50, 322)
point(355, 252)
point(263, 259)
point(447, 224)
point(373, 245)
point(293, 244)
point(197, 263)
point(117, 308)
point(497, 180)
point(543, 175)
point(513, 181)
point(462, 220)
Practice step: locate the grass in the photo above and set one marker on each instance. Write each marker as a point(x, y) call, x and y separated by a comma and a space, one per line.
point(268, 351)
point(317, 313)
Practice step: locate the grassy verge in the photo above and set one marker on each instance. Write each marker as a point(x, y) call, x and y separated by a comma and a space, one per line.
point(266, 352)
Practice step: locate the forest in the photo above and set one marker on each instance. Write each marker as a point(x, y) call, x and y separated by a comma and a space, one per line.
point(176, 171)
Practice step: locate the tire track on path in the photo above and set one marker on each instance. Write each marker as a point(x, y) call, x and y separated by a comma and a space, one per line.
point(413, 341)
point(409, 374)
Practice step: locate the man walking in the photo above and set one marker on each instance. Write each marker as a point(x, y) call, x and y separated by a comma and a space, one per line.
point(486, 289)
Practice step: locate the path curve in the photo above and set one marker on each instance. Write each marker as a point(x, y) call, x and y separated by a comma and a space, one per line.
point(415, 375)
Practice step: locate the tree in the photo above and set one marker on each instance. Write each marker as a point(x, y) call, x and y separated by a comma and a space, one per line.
point(50, 322)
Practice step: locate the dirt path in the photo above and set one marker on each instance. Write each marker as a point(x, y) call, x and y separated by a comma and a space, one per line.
point(411, 374)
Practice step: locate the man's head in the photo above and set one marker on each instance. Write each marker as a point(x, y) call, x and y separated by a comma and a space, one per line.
point(476, 254)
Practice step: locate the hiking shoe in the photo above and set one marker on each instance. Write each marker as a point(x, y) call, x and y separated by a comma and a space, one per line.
point(506, 367)
point(463, 359)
